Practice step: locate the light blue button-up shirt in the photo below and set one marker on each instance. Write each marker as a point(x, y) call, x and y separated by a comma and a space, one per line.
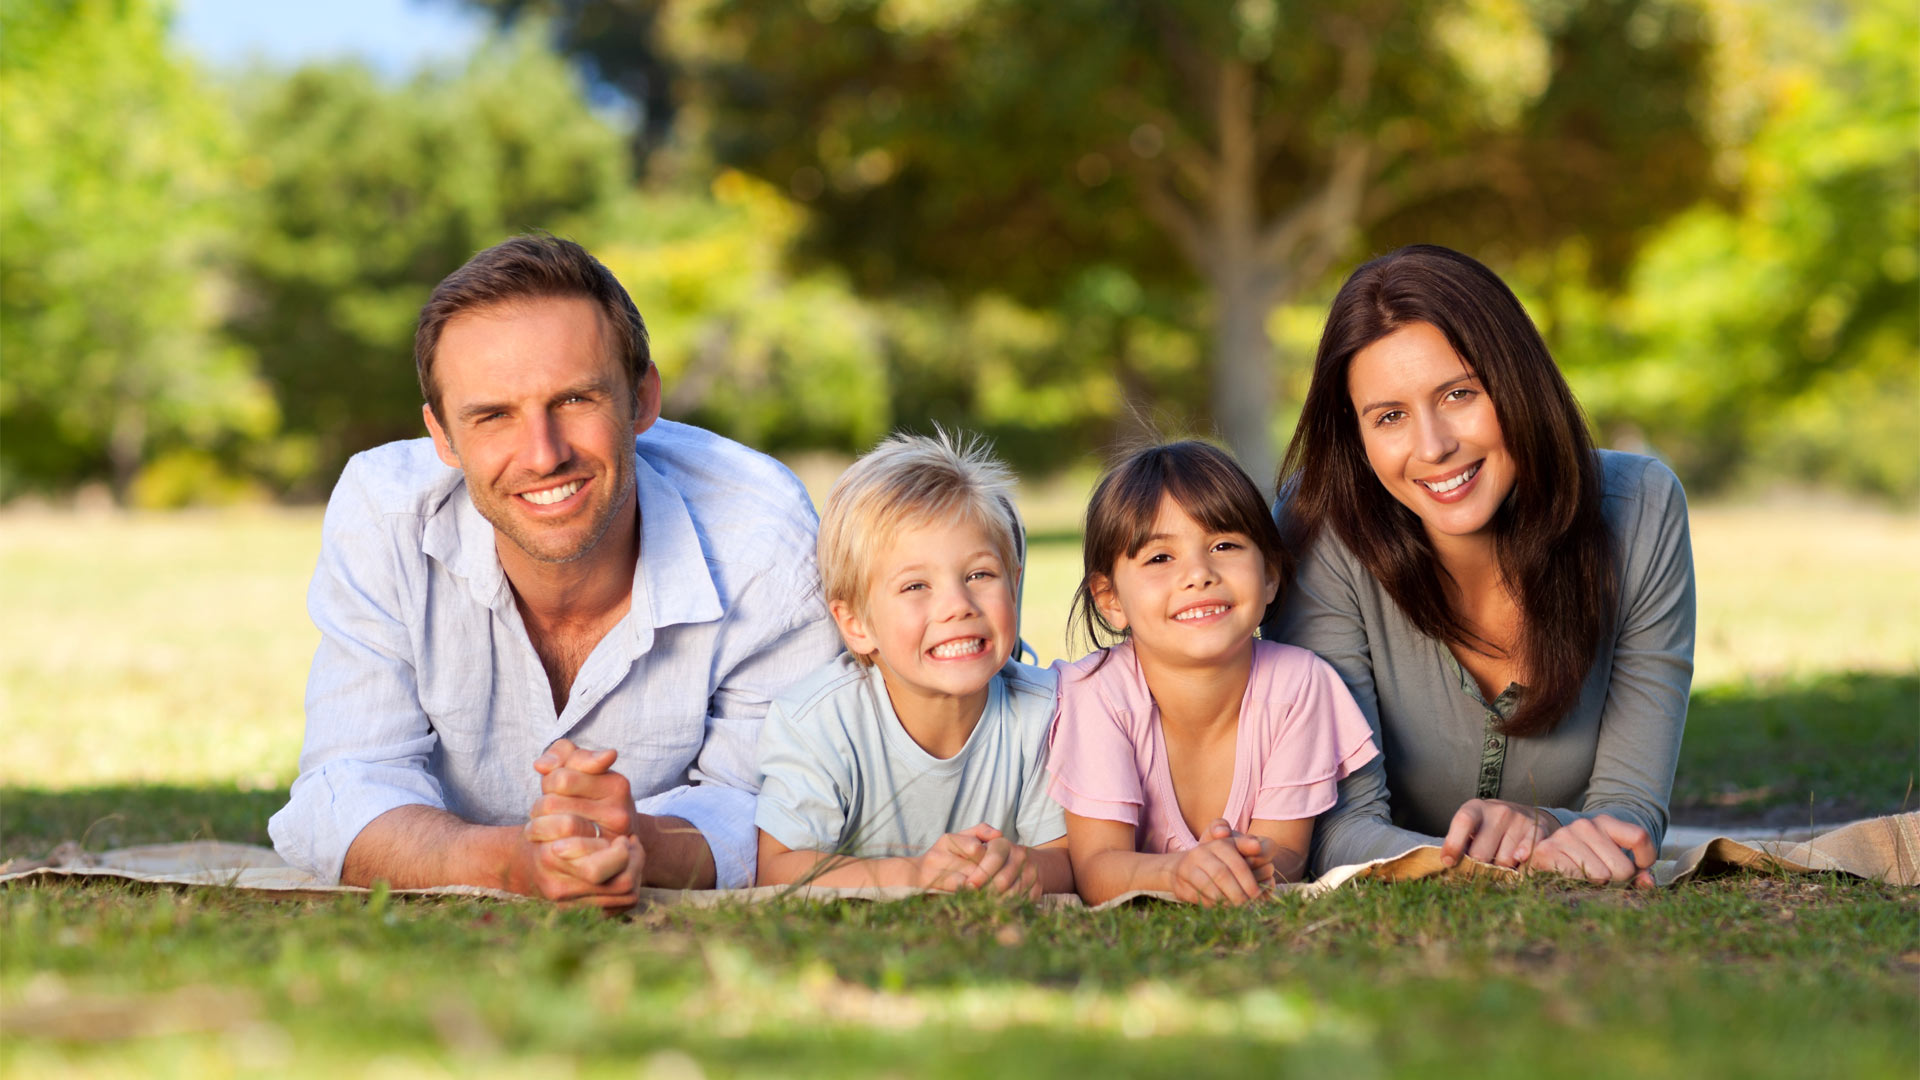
point(426, 689)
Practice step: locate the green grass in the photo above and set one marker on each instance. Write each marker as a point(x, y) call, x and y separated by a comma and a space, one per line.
point(1744, 976)
point(152, 670)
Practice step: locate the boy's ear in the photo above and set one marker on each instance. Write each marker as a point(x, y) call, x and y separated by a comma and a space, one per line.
point(1100, 588)
point(853, 629)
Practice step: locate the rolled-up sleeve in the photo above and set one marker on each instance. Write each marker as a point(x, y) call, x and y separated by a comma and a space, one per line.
point(367, 739)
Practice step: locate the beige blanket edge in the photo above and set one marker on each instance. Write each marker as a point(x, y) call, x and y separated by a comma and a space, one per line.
point(1880, 849)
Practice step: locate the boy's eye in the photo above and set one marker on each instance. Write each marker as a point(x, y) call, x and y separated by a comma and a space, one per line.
point(982, 575)
point(912, 585)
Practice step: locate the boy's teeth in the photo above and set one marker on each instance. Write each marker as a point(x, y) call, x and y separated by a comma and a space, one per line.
point(1199, 612)
point(552, 495)
point(964, 647)
point(1445, 486)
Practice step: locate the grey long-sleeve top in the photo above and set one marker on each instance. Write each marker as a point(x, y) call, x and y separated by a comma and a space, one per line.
point(1613, 754)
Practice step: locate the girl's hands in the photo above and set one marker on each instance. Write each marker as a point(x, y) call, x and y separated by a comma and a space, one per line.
point(1600, 849)
point(1225, 868)
point(1496, 831)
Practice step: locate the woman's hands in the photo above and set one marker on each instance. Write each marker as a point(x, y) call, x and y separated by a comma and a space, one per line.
point(1600, 848)
point(1495, 831)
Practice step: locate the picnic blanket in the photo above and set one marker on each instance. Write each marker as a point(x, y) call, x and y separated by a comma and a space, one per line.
point(1881, 849)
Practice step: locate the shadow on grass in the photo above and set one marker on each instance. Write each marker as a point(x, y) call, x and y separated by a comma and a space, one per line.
point(34, 820)
point(1826, 750)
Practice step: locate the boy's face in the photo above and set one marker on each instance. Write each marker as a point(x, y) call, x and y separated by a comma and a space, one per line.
point(939, 618)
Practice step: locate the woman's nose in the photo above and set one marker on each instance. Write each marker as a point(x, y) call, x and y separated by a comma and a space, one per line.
point(1435, 440)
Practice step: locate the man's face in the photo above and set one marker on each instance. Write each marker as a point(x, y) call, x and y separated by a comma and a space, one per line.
point(541, 419)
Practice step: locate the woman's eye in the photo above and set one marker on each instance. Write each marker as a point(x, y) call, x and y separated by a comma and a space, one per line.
point(1392, 416)
point(1459, 393)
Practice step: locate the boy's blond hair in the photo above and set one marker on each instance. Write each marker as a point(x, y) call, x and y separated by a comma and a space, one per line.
point(907, 481)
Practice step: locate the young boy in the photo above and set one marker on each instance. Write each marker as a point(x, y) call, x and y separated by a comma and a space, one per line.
point(915, 758)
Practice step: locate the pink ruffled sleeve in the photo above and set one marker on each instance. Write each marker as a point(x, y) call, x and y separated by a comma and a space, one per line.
point(1091, 752)
point(1318, 737)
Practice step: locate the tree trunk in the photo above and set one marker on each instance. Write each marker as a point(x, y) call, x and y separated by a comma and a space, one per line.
point(1243, 383)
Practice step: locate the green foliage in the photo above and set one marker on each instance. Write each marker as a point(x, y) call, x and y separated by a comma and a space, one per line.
point(1776, 338)
point(115, 214)
point(361, 196)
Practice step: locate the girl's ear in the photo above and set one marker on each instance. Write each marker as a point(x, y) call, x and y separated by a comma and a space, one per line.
point(853, 629)
point(1106, 601)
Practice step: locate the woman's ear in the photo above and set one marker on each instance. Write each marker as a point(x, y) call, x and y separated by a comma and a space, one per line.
point(853, 629)
point(1106, 602)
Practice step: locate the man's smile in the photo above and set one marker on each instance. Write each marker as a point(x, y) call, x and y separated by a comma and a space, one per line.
point(549, 496)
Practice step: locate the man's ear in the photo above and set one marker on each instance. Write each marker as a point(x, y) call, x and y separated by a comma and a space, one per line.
point(442, 445)
point(646, 400)
point(853, 629)
point(1105, 601)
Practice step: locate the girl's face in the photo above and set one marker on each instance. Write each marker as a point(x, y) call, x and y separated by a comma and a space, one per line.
point(1189, 596)
point(1430, 431)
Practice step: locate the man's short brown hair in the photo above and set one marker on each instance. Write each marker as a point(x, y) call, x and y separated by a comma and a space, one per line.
point(530, 267)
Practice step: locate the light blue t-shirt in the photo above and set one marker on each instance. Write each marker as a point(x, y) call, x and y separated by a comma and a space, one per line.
point(839, 773)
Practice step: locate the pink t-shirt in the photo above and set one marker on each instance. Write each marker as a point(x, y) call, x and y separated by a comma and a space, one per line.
point(1300, 733)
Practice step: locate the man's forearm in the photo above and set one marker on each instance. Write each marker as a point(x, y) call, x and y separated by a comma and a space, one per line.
point(677, 855)
point(418, 847)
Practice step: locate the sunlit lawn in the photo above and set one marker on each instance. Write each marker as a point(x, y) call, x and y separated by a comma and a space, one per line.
point(152, 670)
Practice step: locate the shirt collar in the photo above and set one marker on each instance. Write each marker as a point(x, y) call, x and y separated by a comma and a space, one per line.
point(672, 583)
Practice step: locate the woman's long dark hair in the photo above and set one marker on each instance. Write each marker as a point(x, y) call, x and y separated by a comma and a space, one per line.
point(1549, 535)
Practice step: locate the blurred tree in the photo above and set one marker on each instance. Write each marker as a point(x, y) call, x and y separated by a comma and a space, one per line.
point(114, 212)
point(362, 195)
point(1776, 340)
point(1249, 147)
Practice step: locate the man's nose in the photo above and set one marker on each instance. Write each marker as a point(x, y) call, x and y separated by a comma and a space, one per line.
point(545, 447)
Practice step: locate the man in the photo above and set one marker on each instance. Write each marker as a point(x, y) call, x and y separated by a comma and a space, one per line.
point(556, 569)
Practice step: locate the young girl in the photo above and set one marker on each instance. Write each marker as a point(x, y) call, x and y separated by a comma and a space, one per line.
point(1190, 757)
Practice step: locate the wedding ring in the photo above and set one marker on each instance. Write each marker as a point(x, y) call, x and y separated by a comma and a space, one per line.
point(596, 830)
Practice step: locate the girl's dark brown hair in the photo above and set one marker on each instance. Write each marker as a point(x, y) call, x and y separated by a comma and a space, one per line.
point(1549, 534)
point(1207, 483)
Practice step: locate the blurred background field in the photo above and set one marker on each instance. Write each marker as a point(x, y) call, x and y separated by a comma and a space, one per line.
point(150, 648)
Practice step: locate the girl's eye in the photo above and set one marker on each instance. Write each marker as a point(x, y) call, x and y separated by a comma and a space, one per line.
point(912, 585)
point(982, 575)
point(1227, 545)
point(1158, 557)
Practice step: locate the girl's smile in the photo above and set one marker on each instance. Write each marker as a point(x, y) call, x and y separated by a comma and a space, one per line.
point(1190, 595)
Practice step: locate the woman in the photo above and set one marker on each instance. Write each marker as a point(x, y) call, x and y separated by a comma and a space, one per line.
point(1513, 610)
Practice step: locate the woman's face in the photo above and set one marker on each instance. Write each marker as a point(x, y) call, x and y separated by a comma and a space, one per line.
point(1430, 431)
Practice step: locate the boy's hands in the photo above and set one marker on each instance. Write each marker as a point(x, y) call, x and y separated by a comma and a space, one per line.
point(980, 857)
